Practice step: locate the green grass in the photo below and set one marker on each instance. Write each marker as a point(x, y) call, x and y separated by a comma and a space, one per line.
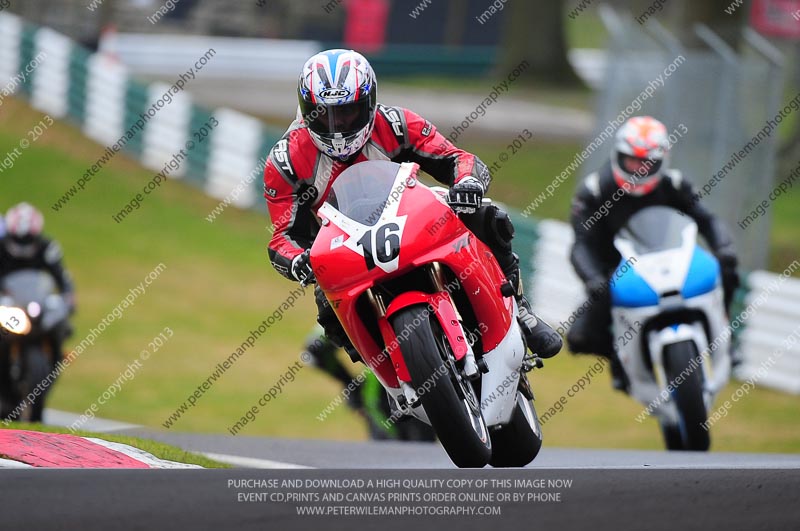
point(159, 450)
point(586, 30)
point(218, 285)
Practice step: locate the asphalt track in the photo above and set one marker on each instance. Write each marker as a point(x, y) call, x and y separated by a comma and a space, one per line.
point(596, 489)
point(599, 499)
point(365, 455)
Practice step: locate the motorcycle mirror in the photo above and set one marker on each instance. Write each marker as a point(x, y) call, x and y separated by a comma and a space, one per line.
point(53, 301)
point(34, 310)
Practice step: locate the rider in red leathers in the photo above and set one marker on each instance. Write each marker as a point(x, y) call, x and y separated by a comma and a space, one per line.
point(339, 124)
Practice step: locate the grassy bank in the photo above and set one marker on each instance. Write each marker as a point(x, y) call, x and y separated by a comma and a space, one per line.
point(218, 285)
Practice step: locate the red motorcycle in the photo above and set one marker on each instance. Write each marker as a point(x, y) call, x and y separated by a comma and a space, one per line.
point(430, 312)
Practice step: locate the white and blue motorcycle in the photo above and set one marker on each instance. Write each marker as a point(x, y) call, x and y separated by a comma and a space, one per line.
point(669, 321)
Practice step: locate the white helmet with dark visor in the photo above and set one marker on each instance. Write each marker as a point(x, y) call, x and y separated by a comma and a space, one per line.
point(337, 96)
point(640, 155)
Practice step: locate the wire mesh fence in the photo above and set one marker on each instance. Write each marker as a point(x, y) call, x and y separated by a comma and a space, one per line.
point(723, 101)
point(84, 19)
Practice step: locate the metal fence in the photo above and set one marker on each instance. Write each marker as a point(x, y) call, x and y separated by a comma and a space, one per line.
point(151, 122)
point(413, 46)
point(83, 19)
point(720, 97)
point(453, 23)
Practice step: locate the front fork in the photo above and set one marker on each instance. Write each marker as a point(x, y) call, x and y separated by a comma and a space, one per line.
point(470, 369)
point(15, 352)
point(694, 332)
point(441, 305)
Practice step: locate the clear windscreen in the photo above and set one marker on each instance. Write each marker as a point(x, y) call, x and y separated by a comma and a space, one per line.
point(362, 191)
point(28, 285)
point(655, 229)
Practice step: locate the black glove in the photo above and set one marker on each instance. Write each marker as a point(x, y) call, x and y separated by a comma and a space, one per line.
point(301, 269)
point(69, 299)
point(466, 195)
point(730, 276)
point(727, 258)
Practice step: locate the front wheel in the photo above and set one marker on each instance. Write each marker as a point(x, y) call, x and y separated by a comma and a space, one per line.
point(37, 370)
point(517, 443)
point(9, 387)
point(689, 434)
point(19, 380)
point(449, 400)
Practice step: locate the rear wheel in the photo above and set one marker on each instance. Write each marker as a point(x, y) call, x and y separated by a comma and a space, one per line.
point(517, 443)
point(688, 397)
point(449, 400)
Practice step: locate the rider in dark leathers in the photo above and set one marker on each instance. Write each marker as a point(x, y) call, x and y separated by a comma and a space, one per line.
point(25, 247)
point(636, 177)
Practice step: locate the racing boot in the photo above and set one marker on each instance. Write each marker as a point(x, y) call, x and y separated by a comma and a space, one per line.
point(542, 340)
point(320, 351)
point(619, 380)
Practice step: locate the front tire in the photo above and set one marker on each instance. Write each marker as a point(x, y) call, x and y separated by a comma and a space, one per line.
point(689, 400)
point(672, 436)
point(18, 380)
point(37, 369)
point(449, 400)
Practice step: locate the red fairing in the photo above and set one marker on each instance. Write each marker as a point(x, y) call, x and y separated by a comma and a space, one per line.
point(445, 312)
point(297, 177)
point(432, 233)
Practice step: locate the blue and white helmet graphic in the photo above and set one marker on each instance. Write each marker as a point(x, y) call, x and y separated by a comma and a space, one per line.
point(337, 95)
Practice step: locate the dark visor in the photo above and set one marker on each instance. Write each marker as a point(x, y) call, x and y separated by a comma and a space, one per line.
point(648, 168)
point(346, 119)
point(24, 240)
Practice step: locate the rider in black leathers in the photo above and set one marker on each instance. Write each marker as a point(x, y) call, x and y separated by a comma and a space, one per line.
point(25, 247)
point(636, 177)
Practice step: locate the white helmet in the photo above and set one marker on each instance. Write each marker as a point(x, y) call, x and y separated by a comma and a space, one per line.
point(640, 154)
point(337, 95)
point(24, 225)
